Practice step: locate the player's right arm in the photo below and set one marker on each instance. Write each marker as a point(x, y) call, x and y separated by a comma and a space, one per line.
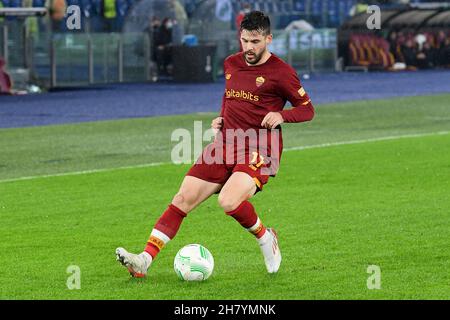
point(218, 122)
point(222, 108)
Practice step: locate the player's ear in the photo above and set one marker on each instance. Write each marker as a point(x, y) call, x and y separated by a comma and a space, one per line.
point(269, 39)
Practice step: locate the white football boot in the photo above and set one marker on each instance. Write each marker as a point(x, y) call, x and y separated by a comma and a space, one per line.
point(270, 250)
point(137, 264)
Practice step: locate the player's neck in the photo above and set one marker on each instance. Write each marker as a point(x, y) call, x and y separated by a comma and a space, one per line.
point(266, 56)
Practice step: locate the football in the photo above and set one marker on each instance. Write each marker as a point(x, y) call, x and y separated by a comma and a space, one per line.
point(193, 262)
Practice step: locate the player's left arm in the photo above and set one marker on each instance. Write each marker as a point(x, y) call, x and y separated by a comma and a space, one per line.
point(292, 90)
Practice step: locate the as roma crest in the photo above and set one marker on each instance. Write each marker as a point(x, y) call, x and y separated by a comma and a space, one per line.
point(260, 81)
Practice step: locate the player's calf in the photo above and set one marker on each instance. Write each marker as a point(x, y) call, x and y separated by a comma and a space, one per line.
point(246, 216)
point(228, 203)
point(165, 229)
point(185, 201)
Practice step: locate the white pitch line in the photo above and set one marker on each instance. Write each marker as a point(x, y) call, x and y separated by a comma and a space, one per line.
point(332, 144)
point(75, 173)
point(315, 146)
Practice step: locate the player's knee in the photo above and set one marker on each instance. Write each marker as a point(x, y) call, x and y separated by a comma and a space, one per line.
point(227, 202)
point(184, 201)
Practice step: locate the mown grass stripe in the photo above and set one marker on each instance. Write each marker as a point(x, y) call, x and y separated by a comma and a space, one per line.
point(323, 145)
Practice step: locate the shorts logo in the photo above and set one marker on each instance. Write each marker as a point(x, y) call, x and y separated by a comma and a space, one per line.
point(301, 92)
point(228, 76)
point(254, 164)
point(260, 81)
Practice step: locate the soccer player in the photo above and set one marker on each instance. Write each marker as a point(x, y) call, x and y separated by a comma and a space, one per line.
point(258, 84)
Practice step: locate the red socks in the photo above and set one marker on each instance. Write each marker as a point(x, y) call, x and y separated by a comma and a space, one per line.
point(245, 214)
point(168, 224)
point(165, 229)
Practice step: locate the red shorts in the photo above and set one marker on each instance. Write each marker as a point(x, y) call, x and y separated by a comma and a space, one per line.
point(221, 172)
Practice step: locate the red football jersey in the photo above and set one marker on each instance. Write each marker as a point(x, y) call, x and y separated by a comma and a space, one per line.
point(253, 91)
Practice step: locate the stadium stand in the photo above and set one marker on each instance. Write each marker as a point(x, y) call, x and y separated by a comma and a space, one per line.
point(370, 51)
point(76, 58)
point(410, 38)
point(322, 13)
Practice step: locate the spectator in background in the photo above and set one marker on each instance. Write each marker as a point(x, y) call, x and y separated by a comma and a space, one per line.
point(423, 57)
point(122, 9)
point(153, 32)
point(444, 53)
point(442, 48)
point(409, 53)
point(180, 12)
point(393, 45)
point(163, 43)
point(180, 23)
point(246, 8)
point(57, 11)
point(441, 36)
point(190, 6)
point(392, 38)
point(109, 15)
point(86, 10)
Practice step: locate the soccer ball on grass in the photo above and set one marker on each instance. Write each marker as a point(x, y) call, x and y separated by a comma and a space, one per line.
point(193, 262)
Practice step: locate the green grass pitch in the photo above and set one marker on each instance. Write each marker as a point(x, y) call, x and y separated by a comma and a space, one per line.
point(383, 201)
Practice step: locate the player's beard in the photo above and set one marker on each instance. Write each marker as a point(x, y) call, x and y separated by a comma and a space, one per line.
point(254, 58)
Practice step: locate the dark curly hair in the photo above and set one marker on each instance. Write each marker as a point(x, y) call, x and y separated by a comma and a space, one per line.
point(256, 21)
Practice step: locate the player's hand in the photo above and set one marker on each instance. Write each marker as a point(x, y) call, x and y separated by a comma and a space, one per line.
point(216, 124)
point(272, 120)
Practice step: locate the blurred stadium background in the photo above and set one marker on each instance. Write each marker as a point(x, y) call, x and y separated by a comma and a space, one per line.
point(117, 40)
